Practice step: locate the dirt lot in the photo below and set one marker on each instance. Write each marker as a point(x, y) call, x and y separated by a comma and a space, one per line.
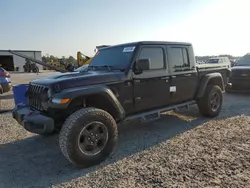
point(179, 150)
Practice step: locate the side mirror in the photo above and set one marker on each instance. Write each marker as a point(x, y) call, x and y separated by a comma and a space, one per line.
point(141, 65)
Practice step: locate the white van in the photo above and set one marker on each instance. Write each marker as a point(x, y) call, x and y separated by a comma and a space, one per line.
point(219, 60)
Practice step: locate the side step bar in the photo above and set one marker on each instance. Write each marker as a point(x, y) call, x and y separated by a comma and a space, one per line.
point(155, 114)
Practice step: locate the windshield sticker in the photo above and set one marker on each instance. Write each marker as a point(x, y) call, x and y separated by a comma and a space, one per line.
point(128, 49)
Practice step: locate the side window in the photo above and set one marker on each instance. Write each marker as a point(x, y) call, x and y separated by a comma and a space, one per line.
point(185, 57)
point(155, 54)
point(179, 58)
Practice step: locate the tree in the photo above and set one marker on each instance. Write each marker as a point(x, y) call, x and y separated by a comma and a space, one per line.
point(45, 58)
point(71, 60)
point(52, 58)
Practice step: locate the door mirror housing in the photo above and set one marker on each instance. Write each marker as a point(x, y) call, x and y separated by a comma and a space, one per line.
point(141, 65)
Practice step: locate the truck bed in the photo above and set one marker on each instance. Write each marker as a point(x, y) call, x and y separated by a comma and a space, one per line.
point(210, 65)
point(221, 68)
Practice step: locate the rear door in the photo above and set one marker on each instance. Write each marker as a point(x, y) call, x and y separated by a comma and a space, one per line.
point(151, 88)
point(184, 76)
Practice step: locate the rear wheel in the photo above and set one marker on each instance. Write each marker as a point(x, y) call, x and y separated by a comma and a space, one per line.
point(210, 104)
point(88, 137)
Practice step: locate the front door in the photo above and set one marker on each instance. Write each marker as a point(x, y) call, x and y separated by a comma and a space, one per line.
point(184, 77)
point(151, 88)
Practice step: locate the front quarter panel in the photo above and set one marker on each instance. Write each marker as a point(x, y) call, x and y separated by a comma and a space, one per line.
point(88, 91)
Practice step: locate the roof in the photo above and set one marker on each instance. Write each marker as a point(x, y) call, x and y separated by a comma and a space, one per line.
point(150, 43)
point(102, 46)
point(164, 42)
point(20, 51)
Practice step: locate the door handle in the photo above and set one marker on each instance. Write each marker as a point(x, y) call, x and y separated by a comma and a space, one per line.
point(137, 81)
point(137, 99)
point(188, 74)
point(128, 84)
point(173, 76)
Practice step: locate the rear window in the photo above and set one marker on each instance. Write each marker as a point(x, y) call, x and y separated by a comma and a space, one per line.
point(213, 61)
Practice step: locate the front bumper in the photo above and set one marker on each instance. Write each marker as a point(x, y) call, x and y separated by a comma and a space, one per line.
point(33, 121)
point(238, 85)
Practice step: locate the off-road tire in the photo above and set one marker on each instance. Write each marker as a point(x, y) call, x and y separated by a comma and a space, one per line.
point(204, 103)
point(68, 136)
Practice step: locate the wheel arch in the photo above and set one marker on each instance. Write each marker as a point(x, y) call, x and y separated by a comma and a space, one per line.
point(98, 97)
point(210, 79)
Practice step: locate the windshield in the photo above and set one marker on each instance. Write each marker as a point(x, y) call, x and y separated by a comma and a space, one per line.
point(114, 57)
point(213, 61)
point(244, 61)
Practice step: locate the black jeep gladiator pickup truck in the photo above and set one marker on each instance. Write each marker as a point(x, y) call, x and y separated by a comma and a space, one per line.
point(123, 82)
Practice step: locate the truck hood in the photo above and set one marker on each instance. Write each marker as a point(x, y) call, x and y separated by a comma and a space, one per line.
point(235, 68)
point(77, 79)
point(240, 71)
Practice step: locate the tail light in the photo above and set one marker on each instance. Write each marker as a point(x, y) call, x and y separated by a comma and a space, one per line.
point(5, 74)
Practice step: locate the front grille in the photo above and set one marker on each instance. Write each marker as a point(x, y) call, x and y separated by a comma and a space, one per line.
point(36, 96)
point(241, 83)
point(241, 73)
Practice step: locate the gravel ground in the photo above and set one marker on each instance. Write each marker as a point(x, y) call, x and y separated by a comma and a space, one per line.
point(179, 150)
point(214, 154)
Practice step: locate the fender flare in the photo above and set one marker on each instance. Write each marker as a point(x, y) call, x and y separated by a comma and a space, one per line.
point(88, 91)
point(205, 80)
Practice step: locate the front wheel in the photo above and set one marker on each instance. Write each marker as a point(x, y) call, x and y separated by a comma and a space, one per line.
point(88, 137)
point(210, 104)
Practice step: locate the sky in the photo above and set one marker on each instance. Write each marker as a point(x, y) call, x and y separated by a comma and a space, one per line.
point(63, 27)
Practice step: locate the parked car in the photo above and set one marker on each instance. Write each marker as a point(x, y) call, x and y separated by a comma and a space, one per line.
point(124, 82)
point(239, 79)
point(5, 81)
point(233, 62)
point(220, 60)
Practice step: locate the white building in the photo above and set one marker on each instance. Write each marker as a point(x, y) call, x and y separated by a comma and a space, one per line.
point(10, 61)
